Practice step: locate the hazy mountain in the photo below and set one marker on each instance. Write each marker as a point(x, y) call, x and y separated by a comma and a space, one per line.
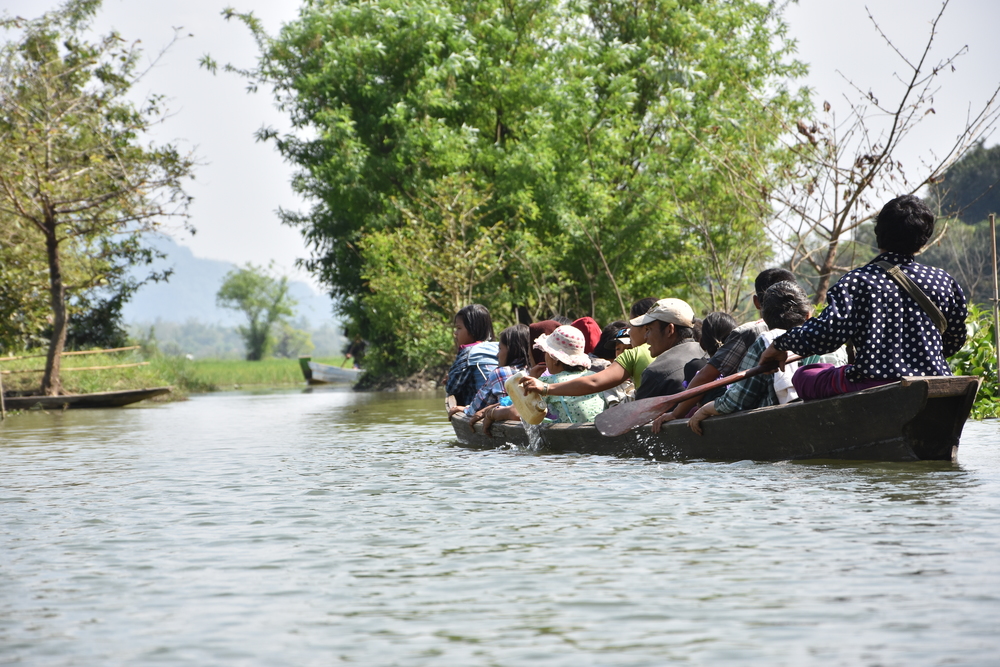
point(190, 293)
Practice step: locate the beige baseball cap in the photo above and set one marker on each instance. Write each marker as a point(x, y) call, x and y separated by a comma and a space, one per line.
point(672, 311)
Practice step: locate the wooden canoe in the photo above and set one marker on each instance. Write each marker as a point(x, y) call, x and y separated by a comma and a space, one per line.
point(317, 373)
point(102, 399)
point(916, 419)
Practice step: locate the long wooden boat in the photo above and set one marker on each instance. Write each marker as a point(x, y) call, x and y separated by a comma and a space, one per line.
point(916, 419)
point(102, 399)
point(317, 373)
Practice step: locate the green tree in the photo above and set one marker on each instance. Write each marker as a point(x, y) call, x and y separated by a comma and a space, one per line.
point(970, 189)
point(846, 166)
point(584, 130)
point(75, 182)
point(291, 341)
point(263, 299)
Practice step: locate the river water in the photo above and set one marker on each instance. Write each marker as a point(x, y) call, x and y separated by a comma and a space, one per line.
point(330, 527)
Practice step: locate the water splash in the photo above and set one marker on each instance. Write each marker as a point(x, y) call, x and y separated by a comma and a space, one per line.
point(534, 434)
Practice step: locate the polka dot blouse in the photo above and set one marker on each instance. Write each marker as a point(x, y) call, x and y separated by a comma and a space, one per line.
point(892, 334)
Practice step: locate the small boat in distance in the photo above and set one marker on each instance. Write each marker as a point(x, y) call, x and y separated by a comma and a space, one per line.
point(100, 399)
point(317, 373)
point(916, 419)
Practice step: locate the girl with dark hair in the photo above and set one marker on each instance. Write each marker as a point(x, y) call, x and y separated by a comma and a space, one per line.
point(515, 353)
point(715, 329)
point(477, 354)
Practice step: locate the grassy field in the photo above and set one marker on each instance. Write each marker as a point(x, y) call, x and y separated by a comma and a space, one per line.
point(185, 375)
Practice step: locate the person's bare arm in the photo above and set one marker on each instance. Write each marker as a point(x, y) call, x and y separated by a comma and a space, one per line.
point(704, 412)
point(612, 376)
point(773, 354)
point(707, 374)
point(498, 415)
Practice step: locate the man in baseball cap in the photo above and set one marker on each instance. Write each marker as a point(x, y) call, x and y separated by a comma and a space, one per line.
point(673, 342)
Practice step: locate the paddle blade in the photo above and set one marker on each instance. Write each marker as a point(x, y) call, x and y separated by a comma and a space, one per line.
point(625, 416)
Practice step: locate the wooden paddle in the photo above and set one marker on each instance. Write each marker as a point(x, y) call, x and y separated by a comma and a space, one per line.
point(626, 416)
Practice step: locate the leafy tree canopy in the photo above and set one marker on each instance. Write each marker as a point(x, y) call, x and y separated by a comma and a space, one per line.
point(970, 189)
point(578, 141)
point(78, 188)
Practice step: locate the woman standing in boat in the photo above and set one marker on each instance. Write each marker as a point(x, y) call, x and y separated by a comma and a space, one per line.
point(477, 354)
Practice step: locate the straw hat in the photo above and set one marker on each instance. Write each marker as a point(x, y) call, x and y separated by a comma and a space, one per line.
point(565, 344)
point(671, 311)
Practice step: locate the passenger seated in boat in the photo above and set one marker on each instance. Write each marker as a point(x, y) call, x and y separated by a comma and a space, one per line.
point(514, 356)
point(591, 331)
point(629, 364)
point(785, 305)
point(671, 333)
point(728, 357)
point(614, 341)
point(477, 354)
point(715, 328)
point(893, 334)
point(566, 360)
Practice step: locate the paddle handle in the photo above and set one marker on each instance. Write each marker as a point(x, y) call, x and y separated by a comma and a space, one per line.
point(682, 396)
point(625, 416)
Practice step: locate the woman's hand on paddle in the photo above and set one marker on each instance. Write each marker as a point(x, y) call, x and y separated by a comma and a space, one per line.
point(530, 385)
point(705, 411)
point(774, 355)
point(663, 419)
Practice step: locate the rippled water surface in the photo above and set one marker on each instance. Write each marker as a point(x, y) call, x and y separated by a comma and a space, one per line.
point(331, 527)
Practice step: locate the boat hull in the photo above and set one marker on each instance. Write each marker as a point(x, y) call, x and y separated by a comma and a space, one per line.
point(917, 419)
point(103, 399)
point(317, 373)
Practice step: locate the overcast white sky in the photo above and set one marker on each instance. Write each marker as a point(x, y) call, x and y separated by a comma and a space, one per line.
point(242, 183)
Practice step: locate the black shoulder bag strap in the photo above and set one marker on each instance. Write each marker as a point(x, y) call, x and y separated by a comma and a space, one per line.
point(896, 273)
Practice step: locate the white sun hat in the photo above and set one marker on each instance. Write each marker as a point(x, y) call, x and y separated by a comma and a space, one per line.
point(565, 344)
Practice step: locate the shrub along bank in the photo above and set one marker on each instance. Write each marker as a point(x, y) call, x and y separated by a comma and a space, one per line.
point(185, 375)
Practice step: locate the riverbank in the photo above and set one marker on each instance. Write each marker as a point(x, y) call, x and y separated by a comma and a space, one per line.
point(132, 370)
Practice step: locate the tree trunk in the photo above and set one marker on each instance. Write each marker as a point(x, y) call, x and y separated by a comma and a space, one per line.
point(824, 274)
point(51, 382)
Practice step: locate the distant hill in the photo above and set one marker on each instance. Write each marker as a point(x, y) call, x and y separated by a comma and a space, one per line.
point(190, 293)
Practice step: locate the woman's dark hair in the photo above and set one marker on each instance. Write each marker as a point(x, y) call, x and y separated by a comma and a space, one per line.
point(641, 307)
point(606, 346)
point(518, 343)
point(477, 321)
point(785, 306)
point(904, 225)
point(715, 329)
